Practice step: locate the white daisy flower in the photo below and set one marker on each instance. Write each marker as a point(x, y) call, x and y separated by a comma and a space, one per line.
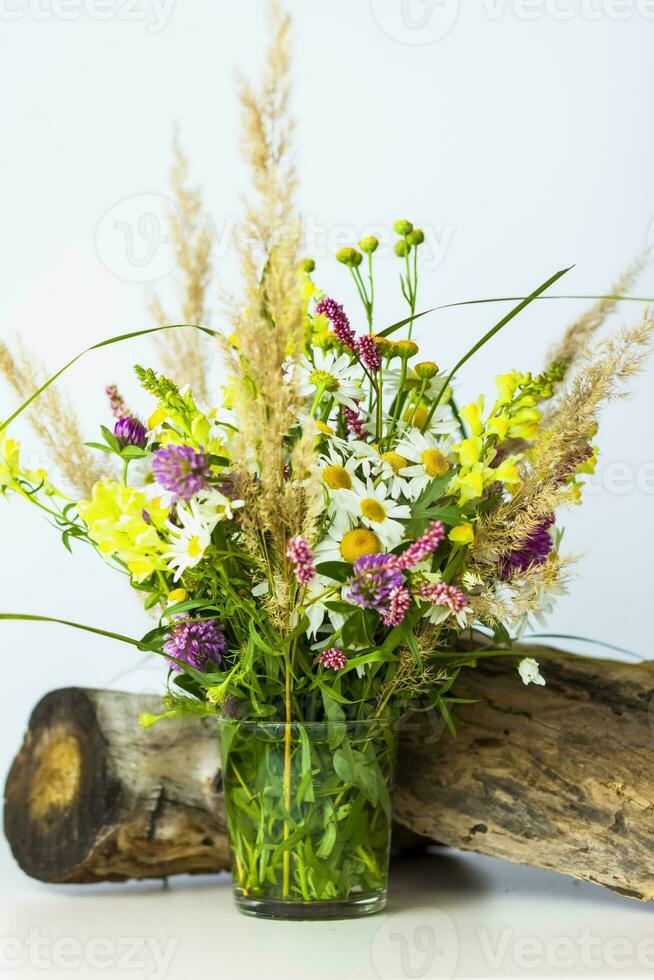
point(389, 466)
point(438, 614)
point(346, 543)
point(189, 542)
point(332, 374)
point(376, 508)
point(427, 459)
point(339, 469)
point(213, 506)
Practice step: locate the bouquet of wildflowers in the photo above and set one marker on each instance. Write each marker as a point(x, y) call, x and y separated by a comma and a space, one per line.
point(333, 537)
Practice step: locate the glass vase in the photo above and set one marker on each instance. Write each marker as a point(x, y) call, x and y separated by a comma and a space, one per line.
point(308, 809)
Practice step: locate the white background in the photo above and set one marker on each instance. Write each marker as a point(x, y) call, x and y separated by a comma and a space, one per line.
point(517, 135)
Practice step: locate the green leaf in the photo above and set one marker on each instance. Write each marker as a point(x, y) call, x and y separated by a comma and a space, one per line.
point(491, 333)
point(103, 343)
point(339, 571)
point(99, 446)
point(133, 452)
point(337, 729)
point(376, 657)
point(110, 439)
point(327, 841)
point(359, 628)
point(305, 789)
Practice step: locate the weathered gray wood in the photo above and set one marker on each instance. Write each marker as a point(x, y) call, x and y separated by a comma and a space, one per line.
point(560, 777)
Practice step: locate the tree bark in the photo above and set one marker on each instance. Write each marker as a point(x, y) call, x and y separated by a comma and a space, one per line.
point(93, 797)
point(560, 777)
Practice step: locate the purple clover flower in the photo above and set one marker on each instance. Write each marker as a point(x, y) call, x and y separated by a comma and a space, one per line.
point(375, 578)
point(534, 550)
point(196, 644)
point(339, 320)
point(130, 431)
point(180, 470)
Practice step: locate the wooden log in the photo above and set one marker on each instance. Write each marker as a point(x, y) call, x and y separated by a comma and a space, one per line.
point(93, 797)
point(559, 777)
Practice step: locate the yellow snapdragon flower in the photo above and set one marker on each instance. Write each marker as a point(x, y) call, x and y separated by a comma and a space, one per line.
point(9, 463)
point(124, 522)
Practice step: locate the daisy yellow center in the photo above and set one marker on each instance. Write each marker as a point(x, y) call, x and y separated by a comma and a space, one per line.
point(337, 478)
point(324, 380)
point(373, 510)
point(194, 547)
point(325, 429)
point(395, 461)
point(359, 542)
point(434, 462)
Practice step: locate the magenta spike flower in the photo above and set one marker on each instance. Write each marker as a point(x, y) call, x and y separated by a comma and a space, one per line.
point(399, 603)
point(301, 558)
point(375, 579)
point(180, 470)
point(369, 353)
point(196, 644)
point(534, 550)
point(339, 320)
point(130, 431)
point(333, 659)
point(441, 594)
point(354, 423)
point(423, 547)
point(117, 404)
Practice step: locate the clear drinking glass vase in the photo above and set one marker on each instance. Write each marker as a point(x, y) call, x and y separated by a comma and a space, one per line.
point(309, 815)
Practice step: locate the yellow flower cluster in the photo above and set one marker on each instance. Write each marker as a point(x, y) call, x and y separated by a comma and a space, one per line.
point(116, 520)
point(12, 472)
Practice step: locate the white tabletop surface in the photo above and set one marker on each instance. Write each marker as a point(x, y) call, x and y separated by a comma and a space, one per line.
point(449, 915)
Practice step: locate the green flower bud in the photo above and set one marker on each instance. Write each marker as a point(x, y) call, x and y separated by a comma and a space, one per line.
point(426, 370)
point(384, 345)
point(401, 248)
point(369, 244)
point(406, 348)
point(402, 227)
point(307, 265)
point(349, 256)
point(416, 237)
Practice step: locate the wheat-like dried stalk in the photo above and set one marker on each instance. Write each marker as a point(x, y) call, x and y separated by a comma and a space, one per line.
point(267, 330)
point(523, 595)
point(184, 352)
point(52, 418)
point(563, 442)
point(575, 340)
